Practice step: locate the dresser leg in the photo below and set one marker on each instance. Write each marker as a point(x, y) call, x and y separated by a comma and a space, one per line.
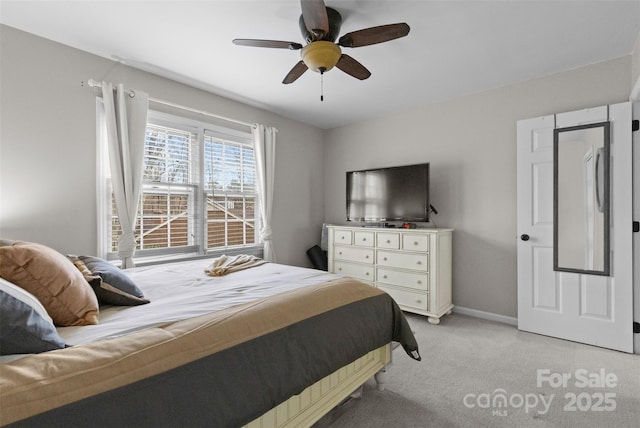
point(433, 320)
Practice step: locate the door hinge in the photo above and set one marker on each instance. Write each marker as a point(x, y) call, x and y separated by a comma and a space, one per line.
point(636, 327)
point(635, 125)
point(636, 226)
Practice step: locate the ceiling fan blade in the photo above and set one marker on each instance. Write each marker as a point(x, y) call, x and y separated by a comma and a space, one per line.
point(314, 14)
point(353, 67)
point(373, 35)
point(268, 44)
point(297, 71)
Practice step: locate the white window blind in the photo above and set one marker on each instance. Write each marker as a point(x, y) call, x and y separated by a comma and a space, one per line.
point(170, 155)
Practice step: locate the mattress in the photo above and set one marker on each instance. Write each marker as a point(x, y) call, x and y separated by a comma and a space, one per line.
point(182, 290)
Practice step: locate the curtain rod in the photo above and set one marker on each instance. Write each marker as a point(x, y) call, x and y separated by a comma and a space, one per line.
point(95, 84)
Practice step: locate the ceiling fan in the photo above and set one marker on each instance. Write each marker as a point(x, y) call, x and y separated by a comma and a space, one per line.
point(320, 27)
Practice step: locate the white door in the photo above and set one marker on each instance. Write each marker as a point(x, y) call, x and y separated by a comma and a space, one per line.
point(592, 309)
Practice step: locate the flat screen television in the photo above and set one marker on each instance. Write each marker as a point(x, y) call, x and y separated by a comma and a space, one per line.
point(398, 193)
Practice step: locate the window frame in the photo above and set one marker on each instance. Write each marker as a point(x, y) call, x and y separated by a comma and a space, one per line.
point(199, 247)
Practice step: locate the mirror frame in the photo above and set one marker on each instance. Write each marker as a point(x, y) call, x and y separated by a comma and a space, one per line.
point(606, 271)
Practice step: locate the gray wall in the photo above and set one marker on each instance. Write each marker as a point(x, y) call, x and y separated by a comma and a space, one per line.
point(48, 156)
point(471, 145)
point(635, 65)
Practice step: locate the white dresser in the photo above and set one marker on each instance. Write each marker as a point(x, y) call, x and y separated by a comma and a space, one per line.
point(412, 265)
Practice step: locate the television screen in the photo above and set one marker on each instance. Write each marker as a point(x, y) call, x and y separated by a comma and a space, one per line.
point(389, 194)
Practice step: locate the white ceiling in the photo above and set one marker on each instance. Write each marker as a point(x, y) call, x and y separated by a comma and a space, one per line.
point(454, 48)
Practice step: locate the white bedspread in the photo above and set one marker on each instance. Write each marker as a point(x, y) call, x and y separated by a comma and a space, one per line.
point(183, 290)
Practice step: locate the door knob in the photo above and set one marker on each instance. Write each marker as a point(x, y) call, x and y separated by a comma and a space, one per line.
point(524, 237)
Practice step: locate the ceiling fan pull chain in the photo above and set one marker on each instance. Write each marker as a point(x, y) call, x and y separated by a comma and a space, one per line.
point(321, 85)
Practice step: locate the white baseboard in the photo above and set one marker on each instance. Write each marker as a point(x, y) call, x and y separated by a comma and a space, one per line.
point(486, 315)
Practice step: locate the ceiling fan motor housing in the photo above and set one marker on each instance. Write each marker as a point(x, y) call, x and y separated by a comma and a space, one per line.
point(335, 22)
point(321, 56)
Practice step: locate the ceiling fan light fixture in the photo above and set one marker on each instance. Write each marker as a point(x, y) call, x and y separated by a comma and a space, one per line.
point(321, 55)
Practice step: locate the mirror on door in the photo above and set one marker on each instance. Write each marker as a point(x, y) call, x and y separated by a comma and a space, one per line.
point(581, 199)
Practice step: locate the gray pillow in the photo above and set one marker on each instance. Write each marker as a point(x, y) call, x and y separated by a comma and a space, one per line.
point(6, 242)
point(23, 330)
point(111, 285)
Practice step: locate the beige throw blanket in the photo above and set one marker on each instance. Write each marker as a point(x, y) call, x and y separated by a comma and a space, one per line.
point(228, 264)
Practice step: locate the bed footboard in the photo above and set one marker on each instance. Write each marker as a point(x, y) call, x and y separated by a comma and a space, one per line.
point(317, 400)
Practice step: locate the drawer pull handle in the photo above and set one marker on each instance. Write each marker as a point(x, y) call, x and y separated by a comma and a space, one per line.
point(418, 301)
point(340, 253)
point(419, 262)
point(367, 256)
point(367, 273)
point(385, 277)
point(339, 268)
point(364, 239)
point(415, 243)
point(385, 259)
point(419, 282)
point(388, 241)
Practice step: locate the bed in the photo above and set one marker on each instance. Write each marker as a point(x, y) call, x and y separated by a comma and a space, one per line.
point(270, 345)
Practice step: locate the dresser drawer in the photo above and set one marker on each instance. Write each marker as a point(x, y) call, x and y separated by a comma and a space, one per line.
point(389, 241)
point(341, 236)
point(415, 242)
point(364, 239)
point(407, 298)
point(415, 261)
point(354, 271)
point(354, 254)
point(416, 281)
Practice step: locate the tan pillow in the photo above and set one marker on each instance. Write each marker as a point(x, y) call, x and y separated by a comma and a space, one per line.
point(53, 279)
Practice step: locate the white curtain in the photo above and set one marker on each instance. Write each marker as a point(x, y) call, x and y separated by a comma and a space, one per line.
point(264, 144)
point(126, 118)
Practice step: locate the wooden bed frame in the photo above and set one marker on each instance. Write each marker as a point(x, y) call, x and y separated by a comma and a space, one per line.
point(317, 400)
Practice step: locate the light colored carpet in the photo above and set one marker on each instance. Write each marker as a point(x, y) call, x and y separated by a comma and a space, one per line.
point(468, 363)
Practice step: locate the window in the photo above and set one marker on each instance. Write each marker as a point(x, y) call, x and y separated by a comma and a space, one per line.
point(199, 191)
